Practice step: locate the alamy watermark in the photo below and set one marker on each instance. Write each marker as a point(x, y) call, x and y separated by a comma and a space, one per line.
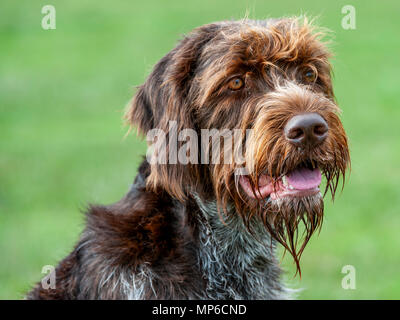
point(349, 20)
point(49, 280)
point(349, 280)
point(186, 147)
point(49, 18)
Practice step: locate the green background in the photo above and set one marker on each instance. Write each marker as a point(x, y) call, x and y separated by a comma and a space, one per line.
point(63, 92)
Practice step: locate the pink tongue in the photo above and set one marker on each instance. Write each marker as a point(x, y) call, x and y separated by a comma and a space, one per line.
point(304, 179)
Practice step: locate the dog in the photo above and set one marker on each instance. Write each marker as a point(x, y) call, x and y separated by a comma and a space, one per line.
point(204, 229)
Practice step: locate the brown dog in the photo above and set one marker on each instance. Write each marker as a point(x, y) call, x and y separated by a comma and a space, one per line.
point(204, 224)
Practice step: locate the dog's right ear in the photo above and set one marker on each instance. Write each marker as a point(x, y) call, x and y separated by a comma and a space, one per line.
point(142, 111)
point(139, 112)
point(164, 99)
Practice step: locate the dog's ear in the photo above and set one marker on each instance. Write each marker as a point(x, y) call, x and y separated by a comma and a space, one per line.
point(147, 105)
point(163, 98)
point(139, 113)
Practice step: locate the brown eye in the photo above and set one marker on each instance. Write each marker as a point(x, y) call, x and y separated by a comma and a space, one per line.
point(310, 76)
point(236, 84)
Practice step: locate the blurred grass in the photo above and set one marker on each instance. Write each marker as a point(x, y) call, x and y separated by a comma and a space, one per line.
point(62, 93)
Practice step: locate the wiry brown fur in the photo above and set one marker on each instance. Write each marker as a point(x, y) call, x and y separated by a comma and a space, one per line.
point(154, 236)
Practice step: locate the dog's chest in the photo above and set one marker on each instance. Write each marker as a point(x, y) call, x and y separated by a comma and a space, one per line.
point(234, 263)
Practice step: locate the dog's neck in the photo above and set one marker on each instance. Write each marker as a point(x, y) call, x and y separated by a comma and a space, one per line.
point(236, 263)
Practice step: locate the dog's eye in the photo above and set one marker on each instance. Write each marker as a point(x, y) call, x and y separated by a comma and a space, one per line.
point(236, 83)
point(310, 76)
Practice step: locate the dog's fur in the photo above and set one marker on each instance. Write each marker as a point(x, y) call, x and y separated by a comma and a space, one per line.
point(187, 231)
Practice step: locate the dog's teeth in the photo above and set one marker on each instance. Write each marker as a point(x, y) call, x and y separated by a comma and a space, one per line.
point(284, 181)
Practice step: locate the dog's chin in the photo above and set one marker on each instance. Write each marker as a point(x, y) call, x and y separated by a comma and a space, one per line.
point(287, 202)
point(297, 207)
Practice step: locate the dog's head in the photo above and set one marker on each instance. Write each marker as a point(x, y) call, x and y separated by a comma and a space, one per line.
point(249, 119)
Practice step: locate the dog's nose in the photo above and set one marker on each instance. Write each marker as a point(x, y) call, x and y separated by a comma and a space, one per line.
point(306, 130)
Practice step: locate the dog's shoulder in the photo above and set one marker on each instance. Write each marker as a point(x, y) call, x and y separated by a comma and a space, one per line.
point(144, 232)
point(140, 228)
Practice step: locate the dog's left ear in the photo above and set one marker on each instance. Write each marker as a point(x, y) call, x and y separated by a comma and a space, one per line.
point(164, 98)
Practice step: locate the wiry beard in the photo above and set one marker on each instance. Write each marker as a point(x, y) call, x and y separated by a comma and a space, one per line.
point(286, 218)
point(291, 221)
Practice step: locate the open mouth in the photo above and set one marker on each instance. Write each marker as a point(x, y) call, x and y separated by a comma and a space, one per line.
point(303, 181)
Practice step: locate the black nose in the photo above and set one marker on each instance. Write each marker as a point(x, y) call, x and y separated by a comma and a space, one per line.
point(306, 130)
